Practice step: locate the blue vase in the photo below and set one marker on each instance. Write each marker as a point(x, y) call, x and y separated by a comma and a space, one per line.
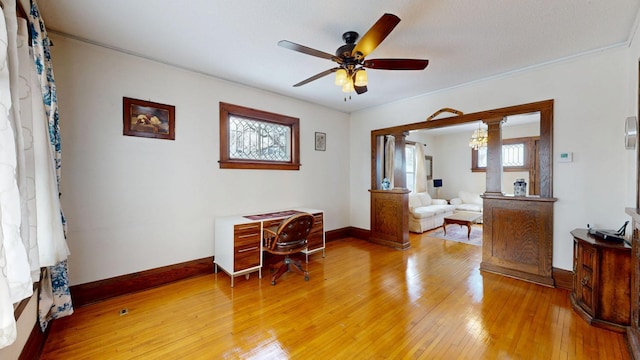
point(520, 187)
point(386, 184)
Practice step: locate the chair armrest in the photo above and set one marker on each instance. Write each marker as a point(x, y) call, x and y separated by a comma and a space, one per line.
point(268, 237)
point(439, 202)
point(455, 201)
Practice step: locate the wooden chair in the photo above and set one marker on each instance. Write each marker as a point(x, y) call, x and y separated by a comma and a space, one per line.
point(290, 237)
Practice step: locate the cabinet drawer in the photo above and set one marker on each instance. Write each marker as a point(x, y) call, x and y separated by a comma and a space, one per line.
point(317, 220)
point(249, 228)
point(318, 224)
point(272, 224)
point(586, 297)
point(588, 257)
point(314, 242)
point(246, 235)
point(245, 240)
point(586, 277)
point(247, 257)
point(246, 246)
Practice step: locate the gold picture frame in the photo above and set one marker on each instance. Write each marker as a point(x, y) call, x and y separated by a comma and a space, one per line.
point(429, 166)
point(148, 119)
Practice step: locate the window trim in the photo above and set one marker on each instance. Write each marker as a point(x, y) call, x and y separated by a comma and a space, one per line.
point(226, 162)
point(529, 147)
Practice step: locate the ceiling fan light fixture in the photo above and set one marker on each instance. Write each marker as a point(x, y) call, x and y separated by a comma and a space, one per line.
point(361, 78)
point(347, 87)
point(341, 77)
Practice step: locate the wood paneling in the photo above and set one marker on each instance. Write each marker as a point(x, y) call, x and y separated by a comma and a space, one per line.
point(363, 301)
point(518, 237)
point(390, 218)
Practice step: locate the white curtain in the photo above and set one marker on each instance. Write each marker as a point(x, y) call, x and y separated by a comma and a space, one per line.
point(421, 168)
point(15, 270)
point(55, 298)
point(389, 153)
point(31, 222)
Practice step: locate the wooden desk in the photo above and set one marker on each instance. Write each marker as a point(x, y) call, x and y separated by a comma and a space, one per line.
point(238, 240)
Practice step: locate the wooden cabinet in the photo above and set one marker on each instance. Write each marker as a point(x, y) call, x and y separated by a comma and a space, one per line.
point(238, 241)
point(602, 281)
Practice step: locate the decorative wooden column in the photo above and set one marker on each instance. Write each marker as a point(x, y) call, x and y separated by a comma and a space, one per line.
point(517, 237)
point(399, 161)
point(390, 218)
point(494, 156)
point(390, 208)
point(517, 234)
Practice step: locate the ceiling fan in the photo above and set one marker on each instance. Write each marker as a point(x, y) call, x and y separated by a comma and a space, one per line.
point(350, 72)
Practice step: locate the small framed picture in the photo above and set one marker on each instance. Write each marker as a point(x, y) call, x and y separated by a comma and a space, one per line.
point(148, 119)
point(321, 141)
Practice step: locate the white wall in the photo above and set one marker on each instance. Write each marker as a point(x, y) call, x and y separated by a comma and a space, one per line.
point(591, 103)
point(135, 203)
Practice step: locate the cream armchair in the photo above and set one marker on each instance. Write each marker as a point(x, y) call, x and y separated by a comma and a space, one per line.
point(467, 201)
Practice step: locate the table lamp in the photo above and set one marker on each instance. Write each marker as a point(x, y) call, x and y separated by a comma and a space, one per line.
point(437, 183)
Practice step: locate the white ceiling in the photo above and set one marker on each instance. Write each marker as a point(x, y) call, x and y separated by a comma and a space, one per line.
point(236, 40)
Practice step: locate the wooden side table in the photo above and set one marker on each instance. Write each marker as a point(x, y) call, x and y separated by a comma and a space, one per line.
point(602, 281)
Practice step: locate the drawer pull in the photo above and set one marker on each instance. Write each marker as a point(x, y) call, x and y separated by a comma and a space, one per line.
point(249, 235)
point(247, 227)
point(585, 280)
point(248, 249)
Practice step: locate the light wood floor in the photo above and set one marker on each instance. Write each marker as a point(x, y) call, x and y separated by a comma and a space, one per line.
point(363, 301)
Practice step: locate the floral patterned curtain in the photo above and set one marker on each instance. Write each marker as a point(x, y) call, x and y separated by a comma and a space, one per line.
point(55, 299)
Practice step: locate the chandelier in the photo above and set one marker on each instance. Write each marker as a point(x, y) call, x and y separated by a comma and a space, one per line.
point(479, 139)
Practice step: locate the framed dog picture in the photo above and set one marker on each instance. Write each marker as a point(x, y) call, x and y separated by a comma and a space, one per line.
point(148, 119)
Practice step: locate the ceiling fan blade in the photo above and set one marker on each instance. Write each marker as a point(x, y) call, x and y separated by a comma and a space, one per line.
point(316, 77)
point(360, 89)
point(396, 64)
point(307, 50)
point(378, 32)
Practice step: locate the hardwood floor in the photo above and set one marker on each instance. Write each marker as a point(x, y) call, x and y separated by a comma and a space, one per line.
point(363, 301)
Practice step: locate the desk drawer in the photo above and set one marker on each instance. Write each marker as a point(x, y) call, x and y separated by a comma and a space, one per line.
point(246, 234)
point(246, 257)
point(246, 246)
point(318, 223)
point(248, 228)
point(315, 239)
point(272, 224)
